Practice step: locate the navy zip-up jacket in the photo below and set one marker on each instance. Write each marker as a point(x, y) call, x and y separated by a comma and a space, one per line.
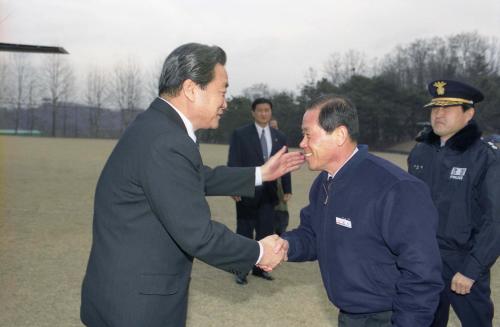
point(464, 178)
point(375, 240)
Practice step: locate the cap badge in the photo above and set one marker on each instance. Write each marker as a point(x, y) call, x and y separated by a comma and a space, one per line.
point(440, 87)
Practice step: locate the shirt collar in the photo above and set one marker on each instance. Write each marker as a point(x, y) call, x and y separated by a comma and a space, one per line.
point(260, 128)
point(187, 123)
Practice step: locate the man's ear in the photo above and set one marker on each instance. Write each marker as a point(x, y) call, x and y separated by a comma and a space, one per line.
point(341, 135)
point(189, 89)
point(470, 113)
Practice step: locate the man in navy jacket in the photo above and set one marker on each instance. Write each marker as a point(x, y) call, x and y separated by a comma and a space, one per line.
point(371, 226)
point(463, 173)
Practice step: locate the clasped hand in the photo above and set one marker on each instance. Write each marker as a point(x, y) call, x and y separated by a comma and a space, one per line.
point(275, 252)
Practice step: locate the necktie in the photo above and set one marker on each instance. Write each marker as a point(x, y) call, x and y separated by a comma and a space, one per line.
point(263, 145)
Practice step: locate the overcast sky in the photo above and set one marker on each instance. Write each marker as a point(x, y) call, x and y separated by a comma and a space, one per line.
point(271, 42)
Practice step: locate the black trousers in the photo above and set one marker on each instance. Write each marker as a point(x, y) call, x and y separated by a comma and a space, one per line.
point(281, 219)
point(474, 309)
point(255, 222)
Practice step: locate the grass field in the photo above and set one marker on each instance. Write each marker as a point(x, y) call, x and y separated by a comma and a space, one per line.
point(46, 199)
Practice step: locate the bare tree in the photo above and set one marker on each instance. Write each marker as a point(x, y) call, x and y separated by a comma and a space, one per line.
point(333, 68)
point(20, 77)
point(311, 76)
point(4, 80)
point(32, 96)
point(95, 96)
point(127, 90)
point(58, 82)
point(153, 83)
point(475, 55)
point(257, 91)
point(466, 56)
point(339, 68)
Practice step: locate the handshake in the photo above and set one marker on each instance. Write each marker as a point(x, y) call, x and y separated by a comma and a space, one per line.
point(275, 252)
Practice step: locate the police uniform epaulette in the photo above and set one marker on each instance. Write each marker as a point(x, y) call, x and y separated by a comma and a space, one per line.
point(490, 144)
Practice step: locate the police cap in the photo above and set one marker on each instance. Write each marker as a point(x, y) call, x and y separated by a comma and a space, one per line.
point(452, 93)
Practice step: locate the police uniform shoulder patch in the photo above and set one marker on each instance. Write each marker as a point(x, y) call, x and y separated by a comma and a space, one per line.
point(492, 145)
point(489, 144)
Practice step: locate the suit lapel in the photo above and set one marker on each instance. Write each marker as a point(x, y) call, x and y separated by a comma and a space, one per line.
point(274, 140)
point(254, 135)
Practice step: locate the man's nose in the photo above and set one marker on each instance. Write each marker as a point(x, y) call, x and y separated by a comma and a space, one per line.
point(303, 143)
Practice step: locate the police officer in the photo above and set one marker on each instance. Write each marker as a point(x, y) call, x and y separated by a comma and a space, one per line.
point(463, 173)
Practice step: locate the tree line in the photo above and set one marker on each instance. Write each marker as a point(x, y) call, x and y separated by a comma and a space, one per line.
point(389, 92)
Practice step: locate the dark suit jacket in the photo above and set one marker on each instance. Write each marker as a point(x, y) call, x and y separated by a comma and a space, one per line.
point(245, 151)
point(151, 219)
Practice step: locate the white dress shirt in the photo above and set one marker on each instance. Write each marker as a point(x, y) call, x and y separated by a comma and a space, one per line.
point(267, 134)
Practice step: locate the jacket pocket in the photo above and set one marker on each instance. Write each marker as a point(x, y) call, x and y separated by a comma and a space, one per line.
point(158, 284)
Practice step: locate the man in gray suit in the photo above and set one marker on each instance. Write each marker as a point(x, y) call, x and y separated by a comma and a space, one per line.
point(151, 217)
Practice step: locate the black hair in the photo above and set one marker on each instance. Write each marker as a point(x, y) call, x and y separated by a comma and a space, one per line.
point(192, 61)
point(260, 101)
point(336, 111)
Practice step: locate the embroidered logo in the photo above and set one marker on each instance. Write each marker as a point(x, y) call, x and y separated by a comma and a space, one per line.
point(440, 87)
point(457, 173)
point(346, 222)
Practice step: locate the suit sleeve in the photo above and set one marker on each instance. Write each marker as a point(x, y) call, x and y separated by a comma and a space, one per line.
point(234, 156)
point(174, 186)
point(408, 221)
point(486, 249)
point(229, 181)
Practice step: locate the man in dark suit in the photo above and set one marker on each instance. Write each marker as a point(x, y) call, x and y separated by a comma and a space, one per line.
point(151, 218)
point(251, 145)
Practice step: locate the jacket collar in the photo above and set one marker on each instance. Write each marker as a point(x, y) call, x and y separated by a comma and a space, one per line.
point(351, 164)
point(461, 141)
point(163, 107)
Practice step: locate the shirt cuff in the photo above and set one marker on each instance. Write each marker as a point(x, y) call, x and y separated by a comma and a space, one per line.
point(261, 253)
point(258, 177)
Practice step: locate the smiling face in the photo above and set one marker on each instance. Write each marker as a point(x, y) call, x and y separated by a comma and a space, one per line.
point(446, 121)
point(319, 147)
point(210, 102)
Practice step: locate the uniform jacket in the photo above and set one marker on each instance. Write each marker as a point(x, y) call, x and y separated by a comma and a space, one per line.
point(151, 219)
point(374, 239)
point(245, 151)
point(464, 178)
